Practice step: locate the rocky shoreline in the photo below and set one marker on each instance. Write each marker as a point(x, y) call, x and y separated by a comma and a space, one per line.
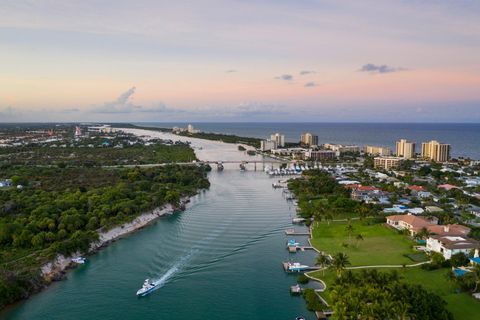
point(56, 270)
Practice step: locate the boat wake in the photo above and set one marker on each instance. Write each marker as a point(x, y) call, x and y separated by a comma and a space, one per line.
point(160, 282)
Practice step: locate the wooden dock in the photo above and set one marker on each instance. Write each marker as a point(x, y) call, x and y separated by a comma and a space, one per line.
point(294, 249)
point(292, 232)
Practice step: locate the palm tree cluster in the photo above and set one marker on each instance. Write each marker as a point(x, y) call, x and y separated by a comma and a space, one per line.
point(370, 294)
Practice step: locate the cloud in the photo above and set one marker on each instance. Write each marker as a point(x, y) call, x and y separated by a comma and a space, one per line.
point(231, 71)
point(305, 72)
point(310, 84)
point(373, 68)
point(286, 77)
point(123, 104)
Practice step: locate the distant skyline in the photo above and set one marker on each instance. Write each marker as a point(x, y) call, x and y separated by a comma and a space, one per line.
point(237, 61)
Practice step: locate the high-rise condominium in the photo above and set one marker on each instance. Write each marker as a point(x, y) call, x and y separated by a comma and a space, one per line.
point(279, 139)
point(436, 151)
point(309, 139)
point(405, 149)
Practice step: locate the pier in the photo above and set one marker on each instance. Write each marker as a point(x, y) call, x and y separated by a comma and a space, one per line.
point(292, 232)
point(294, 249)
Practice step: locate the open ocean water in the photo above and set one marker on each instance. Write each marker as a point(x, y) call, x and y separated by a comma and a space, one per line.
point(464, 137)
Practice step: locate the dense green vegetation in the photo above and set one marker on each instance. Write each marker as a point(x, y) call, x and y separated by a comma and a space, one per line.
point(438, 281)
point(67, 189)
point(321, 197)
point(60, 210)
point(370, 294)
point(83, 155)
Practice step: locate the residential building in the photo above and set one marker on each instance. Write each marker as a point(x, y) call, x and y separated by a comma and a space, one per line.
point(448, 245)
point(387, 163)
point(405, 149)
point(296, 153)
point(267, 145)
point(366, 193)
point(340, 149)
point(436, 151)
point(191, 129)
point(279, 139)
point(320, 155)
point(410, 222)
point(378, 151)
point(309, 139)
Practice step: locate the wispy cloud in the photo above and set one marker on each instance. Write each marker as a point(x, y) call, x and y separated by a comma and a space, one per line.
point(231, 71)
point(286, 77)
point(310, 84)
point(305, 72)
point(373, 68)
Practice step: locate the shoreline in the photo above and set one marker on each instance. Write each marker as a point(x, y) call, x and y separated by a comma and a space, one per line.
point(56, 269)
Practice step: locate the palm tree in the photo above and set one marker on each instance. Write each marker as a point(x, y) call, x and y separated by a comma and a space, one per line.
point(359, 237)
point(323, 261)
point(422, 234)
point(349, 228)
point(340, 262)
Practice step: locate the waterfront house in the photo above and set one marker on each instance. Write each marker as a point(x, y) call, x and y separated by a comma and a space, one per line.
point(448, 245)
point(366, 193)
point(410, 222)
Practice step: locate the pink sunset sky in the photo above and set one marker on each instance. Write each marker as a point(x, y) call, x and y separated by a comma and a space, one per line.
point(264, 60)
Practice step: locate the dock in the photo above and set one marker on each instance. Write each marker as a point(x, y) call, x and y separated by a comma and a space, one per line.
point(296, 289)
point(293, 249)
point(292, 232)
point(298, 220)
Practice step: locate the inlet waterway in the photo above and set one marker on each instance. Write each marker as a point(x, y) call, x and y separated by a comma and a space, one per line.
point(219, 259)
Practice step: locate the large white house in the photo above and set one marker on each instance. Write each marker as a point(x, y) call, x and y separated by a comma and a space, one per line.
point(449, 245)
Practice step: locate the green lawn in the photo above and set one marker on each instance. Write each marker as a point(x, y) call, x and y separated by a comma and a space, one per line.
point(462, 305)
point(380, 245)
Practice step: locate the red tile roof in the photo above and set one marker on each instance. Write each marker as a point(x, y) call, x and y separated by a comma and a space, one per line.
point(415, 188)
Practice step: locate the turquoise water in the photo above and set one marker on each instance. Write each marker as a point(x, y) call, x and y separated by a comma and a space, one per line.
point(220, 259)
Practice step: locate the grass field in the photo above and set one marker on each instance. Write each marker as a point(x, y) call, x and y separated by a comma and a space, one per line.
point(380, 245)
point(462, 305)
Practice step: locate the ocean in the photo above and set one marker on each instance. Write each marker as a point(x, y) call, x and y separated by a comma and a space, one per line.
point(463, 137)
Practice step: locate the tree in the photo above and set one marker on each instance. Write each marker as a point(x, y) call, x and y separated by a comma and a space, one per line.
point(323, 261)
point(349, 228)
point(422, 234)
point(359, 237)
point(339, 262)
point(459, 259)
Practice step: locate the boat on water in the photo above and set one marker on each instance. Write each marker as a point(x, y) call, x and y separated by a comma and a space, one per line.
point(296, 267)
point(242, 167)
point(292, 243)
point(148, 287)
point(220, 166)
point(79, 260)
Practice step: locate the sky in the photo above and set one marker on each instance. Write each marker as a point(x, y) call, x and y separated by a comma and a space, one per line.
point(240, 60)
